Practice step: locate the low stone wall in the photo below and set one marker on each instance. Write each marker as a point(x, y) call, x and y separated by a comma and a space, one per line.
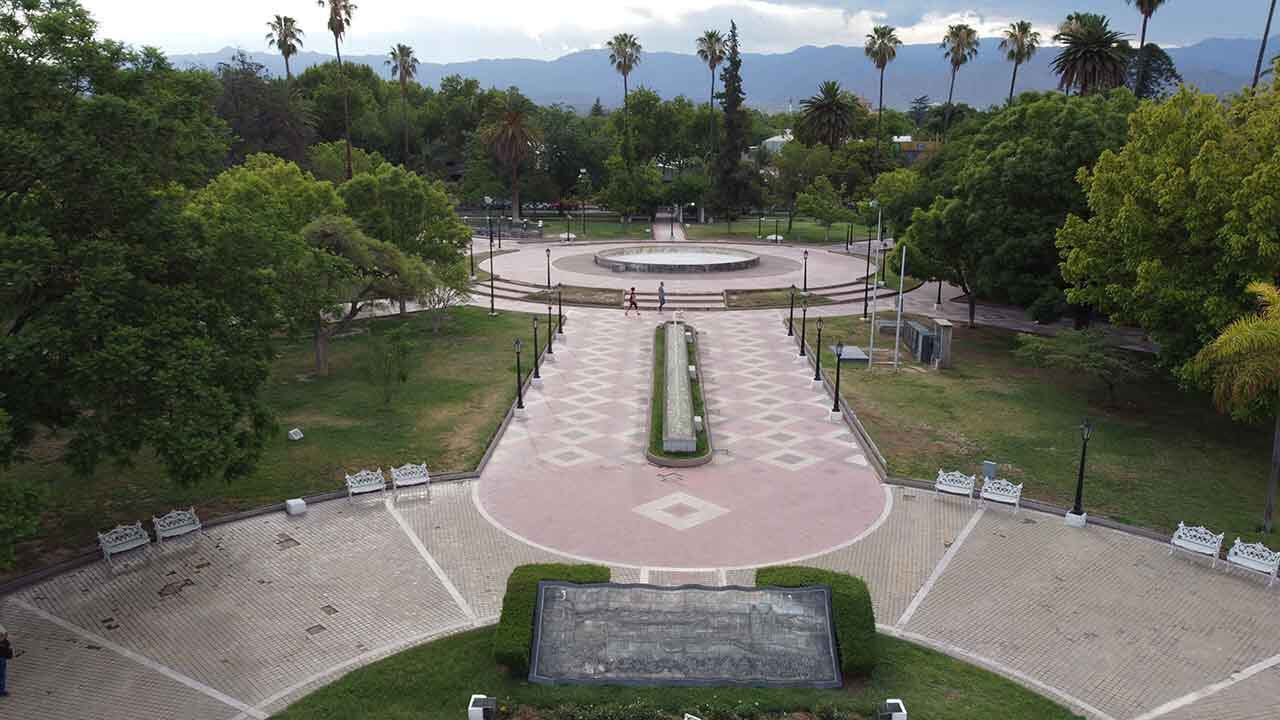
point(677, 418)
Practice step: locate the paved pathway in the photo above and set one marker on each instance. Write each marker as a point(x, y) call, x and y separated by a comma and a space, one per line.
point(240, 623)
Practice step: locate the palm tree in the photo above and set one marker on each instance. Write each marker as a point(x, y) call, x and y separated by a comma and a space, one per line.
point(287, 36)
point(404, 65)
point(828, 115)
point(961, 45)
point(711, 51)
point(339, 20)
point(882, 48)
point(511, 139)
point(1244, 365)
point(624, 56)
point(1093, 56)
point(1147, 8)
point(1020, 44)
point(1262, 51)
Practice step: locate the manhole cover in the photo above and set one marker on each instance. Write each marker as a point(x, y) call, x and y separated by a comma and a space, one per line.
point(315, 629)
point(174, 588)
point(329, 610)
point(285, 542)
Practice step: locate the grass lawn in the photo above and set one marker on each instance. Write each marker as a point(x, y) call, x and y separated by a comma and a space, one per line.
point(600, 229)
point(434, 682)
point(657, 403)
point(802, 231)
point(1158, 454)
point(460, 386)
point(606, 297)
point(769, 298)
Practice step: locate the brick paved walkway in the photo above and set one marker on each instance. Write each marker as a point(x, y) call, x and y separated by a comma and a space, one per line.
point(243, 621)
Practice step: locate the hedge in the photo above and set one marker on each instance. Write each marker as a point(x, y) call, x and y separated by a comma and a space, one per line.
point(851, 610)
point(513, 637)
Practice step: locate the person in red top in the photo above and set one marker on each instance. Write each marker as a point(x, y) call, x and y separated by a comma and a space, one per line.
point(631, 303)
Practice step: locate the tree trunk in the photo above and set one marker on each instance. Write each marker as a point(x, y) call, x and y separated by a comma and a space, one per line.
point(880, 116)
point(288, 74)
point(1142, 39)
point(1262, 51)
point(346, 107)
point(515, 194)
point(321, 343)
point(403, 310)
point(711, 106)
point(946, 121)
point(973, 308)
point(939, 301)
point(1013, 82)
point(626, 124)
point(1269, 511)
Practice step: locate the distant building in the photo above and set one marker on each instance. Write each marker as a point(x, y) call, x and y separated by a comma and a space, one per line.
point(774, 144)
point(913, 150)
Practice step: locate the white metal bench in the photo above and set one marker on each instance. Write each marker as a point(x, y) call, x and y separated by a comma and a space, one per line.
point(1255, 557)
point(122, 538)
point(954, 483)
point(1198, 539)
point(176, 523)
point(411, 475)
point(365, 481)
point(1001, 491)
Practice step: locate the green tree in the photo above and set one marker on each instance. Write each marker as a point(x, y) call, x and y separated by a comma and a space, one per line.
point(631, 189)
point(797, 166)
point(404, 66)
point(1082, 352)
point(711, 51)
point(735, 180)
point(20, 506)
point(1147, 8)
point(942, 236)
point(390, 354)
point(1180, 220)
point(899, 193)
point(402, 208)
point(1151, 73)
point(122, 325)
point(1020, 43)
point(264, 115)
point(339, 21)
point(285, 36)
point(327, 161)
point(1262, 48)
point(882, 47)
point(919, 108)
point(823, 202)
point(961, 44)
point(828, 115)
point(511, 140)
point(1243, 366)
point(1093, 56)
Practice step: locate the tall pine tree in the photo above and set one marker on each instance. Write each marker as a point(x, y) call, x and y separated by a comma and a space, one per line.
point(734, 178)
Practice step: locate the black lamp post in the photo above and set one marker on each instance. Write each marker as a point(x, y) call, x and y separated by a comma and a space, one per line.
point(551, 349)
point(884, 247)
point(760, 226)
point(472, 248)
point(804, 324)
point(776, 237)
point(1086, 430)
point(835, 399)
point(548, 269)
point(791, 313)
point(817, 365)
point(805, 288)
point(493, 312)
point(568, 221)
point(560, 309)
point(519, 385)
point(536, 374)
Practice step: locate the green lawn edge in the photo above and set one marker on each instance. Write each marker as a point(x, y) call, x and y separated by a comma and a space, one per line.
point(658, 395)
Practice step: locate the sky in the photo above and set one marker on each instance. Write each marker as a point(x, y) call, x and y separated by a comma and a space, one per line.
point(452, 31)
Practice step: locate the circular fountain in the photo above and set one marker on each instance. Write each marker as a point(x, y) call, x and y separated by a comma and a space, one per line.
point(675, 259)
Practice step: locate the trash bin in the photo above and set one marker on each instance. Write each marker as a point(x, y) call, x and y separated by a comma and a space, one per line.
point(482, 708)
point(892, 709)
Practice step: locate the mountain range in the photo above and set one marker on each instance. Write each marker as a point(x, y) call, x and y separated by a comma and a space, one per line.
point(773, 81)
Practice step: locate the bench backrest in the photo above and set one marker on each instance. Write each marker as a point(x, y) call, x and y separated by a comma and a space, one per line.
point(366, 481)
point(955, 479)
point(997, 488)
point(124, 536)
point(176, 522)
point(1254, 555)
point(410, 474)
point(1198, 538)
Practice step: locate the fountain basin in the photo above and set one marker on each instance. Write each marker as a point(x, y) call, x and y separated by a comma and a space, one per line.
point(675, 258)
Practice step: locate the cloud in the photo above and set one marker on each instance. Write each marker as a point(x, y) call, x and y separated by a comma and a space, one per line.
point(451, 30)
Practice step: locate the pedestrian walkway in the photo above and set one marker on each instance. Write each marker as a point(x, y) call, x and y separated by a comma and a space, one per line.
point(666, 229)
point(261, 611)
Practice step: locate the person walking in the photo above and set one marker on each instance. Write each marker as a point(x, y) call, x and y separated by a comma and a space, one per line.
point(662, 296)
point(6, 654)
point(631, 303)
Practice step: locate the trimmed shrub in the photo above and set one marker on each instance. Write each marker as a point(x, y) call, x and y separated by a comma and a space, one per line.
point(513, 637)
point(851, 611)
